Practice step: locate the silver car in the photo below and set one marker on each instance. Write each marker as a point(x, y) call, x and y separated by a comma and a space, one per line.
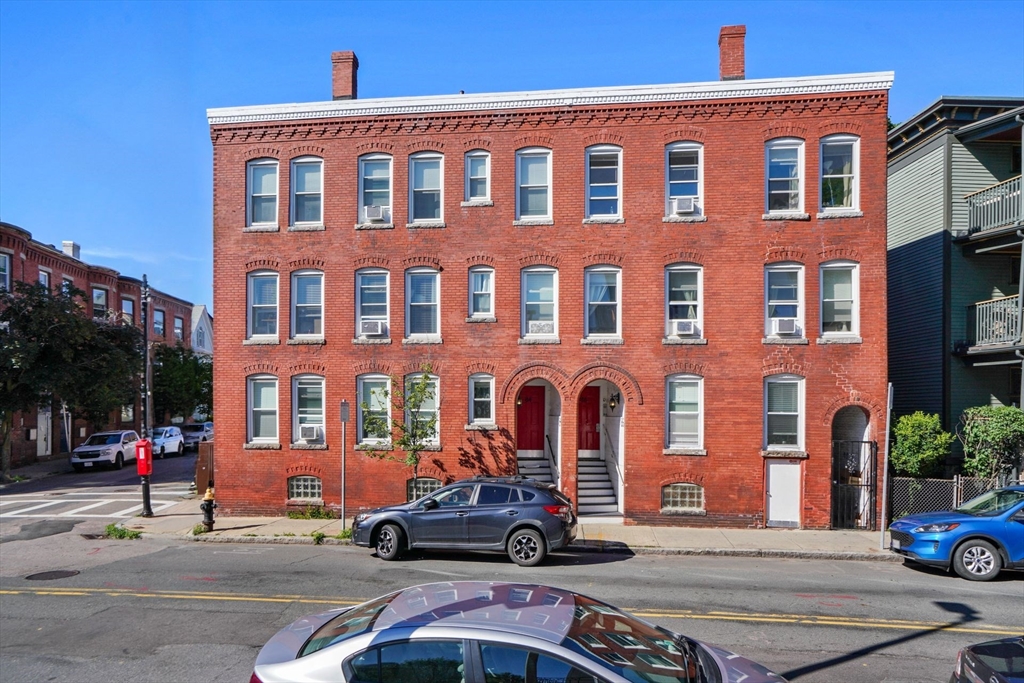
point(481, 632)
point(197, 433)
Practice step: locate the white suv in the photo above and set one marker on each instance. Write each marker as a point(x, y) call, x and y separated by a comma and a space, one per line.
point(167, 441)
point(107, 448)
point(197, 433)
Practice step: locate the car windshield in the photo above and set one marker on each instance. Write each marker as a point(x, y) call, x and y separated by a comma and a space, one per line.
point(350, 623)
point(992, 504)
point(192, 428)
point(103, 440)
point(158, 433)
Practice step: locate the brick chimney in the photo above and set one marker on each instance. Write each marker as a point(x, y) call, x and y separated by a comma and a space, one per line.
point(71, 249)
point(344, 66)
point(730, 53)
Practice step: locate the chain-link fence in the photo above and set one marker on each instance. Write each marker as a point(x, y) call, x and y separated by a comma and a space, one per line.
point(909, 495)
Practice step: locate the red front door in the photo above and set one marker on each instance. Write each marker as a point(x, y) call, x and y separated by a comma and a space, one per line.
point(530, 419)
point(590, 419)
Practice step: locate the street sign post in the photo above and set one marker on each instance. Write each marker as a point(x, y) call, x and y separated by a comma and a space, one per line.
point(344, 424)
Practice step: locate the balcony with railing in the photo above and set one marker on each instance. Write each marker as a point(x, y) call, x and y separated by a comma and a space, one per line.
point(995, 206)
point(994, 323)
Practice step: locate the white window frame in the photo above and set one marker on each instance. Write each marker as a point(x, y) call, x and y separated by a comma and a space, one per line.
point(370, 158)
point(587, 273)
point(409, 379)
point(698, 199)
point(292, 193)
point(523, 324)
point(250, 410)
point(308, 380)
point(361, 381)
point(474, 379)
point(106, 301)
point(534, 152)
point(478, 270)
point(163, 323)
point(854, 269)
point(843, 138)
point(6, 261)
point(43, 279)
point(785, 143)
point(604, 150)
point(699, 303)
point(124, 313)
point(293, 307)
point(250, 278)
point(249, 195)
point(413, 160)
point(486, 157)
point(360, 274)
point(669, 381)
point(800, 303)
point(200, 337)
point(408, 304)
point(801, 412)
point(179, 330)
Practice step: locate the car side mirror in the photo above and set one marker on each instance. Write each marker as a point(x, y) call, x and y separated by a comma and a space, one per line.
point(1018, 516)
point(430, 504)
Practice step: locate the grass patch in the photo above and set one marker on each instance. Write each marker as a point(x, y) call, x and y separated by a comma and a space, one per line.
point(253, 535)
point(120, 533)
point(312, 512)
point(346, 534)
point(318, 537)
point(199, 530)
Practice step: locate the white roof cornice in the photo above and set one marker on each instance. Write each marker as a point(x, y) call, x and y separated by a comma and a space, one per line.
point(541, 99)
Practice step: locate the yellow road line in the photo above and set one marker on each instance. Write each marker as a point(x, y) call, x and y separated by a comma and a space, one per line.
point(751, 617)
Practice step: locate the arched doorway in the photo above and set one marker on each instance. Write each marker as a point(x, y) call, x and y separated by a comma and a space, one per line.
point(854, 459)
point(538, 426)
point(600, 414)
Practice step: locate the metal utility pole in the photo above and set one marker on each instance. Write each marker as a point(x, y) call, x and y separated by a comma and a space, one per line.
point(147, 508)
point(344, 424)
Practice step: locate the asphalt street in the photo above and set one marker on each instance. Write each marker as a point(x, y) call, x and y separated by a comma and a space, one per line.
point(165, 610)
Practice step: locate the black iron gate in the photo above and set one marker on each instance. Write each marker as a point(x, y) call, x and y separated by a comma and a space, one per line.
point(854, 486)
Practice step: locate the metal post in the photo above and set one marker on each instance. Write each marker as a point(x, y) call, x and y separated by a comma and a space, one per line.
point(885, 475)
point(344, 424)
point(147, 508)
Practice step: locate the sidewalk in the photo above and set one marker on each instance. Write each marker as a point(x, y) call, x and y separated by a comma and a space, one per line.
point(179, 520)
point(39, 470)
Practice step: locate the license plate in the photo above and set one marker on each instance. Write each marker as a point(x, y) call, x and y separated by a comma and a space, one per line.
point(895, 544)
point(87, 464)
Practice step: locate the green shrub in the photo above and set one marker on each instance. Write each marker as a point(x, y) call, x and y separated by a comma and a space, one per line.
point(921, 445)
point(318, 537)
point(199, 530)
point(311, 512)
point(993, 439)
point(344, 534)
point(120, 533)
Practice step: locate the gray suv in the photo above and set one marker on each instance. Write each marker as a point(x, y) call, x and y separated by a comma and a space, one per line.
point(523, 517)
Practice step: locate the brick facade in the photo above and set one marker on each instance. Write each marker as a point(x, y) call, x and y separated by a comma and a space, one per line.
point(734, 245)
point(29, 258)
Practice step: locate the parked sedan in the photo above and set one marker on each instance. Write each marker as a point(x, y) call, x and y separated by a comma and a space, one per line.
point(524, 517)
point(977, 539)
point(167, 440)
point(197, 433)
point(481, 632)
point(105, 448)
point(997, 661)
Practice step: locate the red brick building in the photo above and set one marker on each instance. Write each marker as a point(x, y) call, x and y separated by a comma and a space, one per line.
point(671, 297)
point(41, 434)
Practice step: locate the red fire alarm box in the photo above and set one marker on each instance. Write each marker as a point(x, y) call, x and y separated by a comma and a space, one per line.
point(144, 457)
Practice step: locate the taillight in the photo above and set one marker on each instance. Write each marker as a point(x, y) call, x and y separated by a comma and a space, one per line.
point(255, 678)
point(560, 511)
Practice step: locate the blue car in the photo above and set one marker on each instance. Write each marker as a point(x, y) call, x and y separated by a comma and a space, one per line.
point(977, 539)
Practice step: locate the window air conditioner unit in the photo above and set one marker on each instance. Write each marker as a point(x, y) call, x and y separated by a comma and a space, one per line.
point(783, 325)
point(374, 212)
point(682, 205)
point(371, 328)
point(309, 432)
point(684, 327)
point(541, 327)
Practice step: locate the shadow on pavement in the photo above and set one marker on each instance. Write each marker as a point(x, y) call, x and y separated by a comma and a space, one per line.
point(555, 559)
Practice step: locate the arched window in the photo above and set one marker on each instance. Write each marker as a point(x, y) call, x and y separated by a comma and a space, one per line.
point(840, 309)
point(784, 412)
point(840, 162)
point(481, 399)
point(262, 395)
point(684, 306)
point(374, 408)
point(307, 191)
point(261, 184)
point(784, 163)
point(604, 302)
point(604, 181)
point(684, 411)
point(682, 497)
point(533, 184)
point(375, 188)
point(308, 409)
point(262, 295)
point(684, 179)
point(305, 488)
point(478, 176)
point(372, 310)
point(539, 302)
point(426, 187)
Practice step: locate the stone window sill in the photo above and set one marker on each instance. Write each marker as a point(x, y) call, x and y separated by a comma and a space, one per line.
point(432, 225)
point(602, 341)
point(481, 428)
point(262, 446)
point(312, 227)
point(481, 319)
point(307, 341)
point(794, 341)
point(261, 341)
point(851, 339)
point(375, 226)
point(684, 219)
point(309, 447)
point(374, 447)
point(684, 451)
point(781, 453)
point(681, 341)
point(261, 228)
point(610, 220)
point(528, 341)
point(839, 214)
point(477, 202)
point(672, 512)
point(368, 341)
point(792, 216)
point(421, 340)
point(303, 502)
point(435, 448)
point(526, 222)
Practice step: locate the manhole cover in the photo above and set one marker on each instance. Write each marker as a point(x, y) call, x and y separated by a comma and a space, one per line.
point(52, 576)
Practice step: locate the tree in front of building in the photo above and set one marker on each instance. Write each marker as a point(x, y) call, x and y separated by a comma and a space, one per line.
point(182, 382)
point(411, 426)
point(993, 439)
point(921, 445)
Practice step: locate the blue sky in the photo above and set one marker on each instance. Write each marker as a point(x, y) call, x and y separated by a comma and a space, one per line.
point(103, 133)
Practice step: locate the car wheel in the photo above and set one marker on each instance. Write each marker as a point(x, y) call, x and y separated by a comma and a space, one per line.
point(119, 461)
point(389, 542)
point(526, 548)
point(181, 448)
point(78, 467)
point(161, 452)
point(977, 560)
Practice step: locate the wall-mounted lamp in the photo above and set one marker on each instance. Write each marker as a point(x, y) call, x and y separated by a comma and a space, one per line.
point(519, 401)
point(613, 401)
